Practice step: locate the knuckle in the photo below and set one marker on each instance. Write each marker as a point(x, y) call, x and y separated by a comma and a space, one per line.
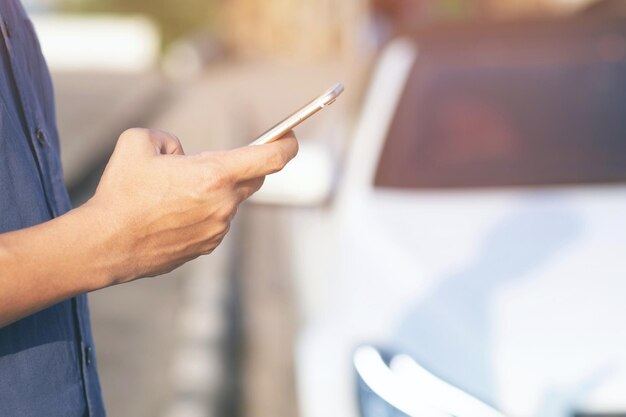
point(277, 161)
point(132, 138)
point(219, 214)
point(258, 184)
point(228, 210)
point(223, 230)
point(223, 214)
point(296, 147)
point(207, 249)
point(233, 212)
point(214, 236)
point(134, 133)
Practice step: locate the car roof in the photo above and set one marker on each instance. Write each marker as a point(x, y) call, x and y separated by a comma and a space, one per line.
point(477, 33)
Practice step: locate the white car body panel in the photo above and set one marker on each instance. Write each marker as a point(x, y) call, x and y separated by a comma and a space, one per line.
point(519, 299)
point(552, 318)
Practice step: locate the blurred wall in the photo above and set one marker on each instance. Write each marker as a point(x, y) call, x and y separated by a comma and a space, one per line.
point(175, 18)
point(509, 8)
point(296, 28)
point(309, 29)
point(321, 28)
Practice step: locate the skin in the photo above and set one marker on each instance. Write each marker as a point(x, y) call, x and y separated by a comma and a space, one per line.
point(155, 209)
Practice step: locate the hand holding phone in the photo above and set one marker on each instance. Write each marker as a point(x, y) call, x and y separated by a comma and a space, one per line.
point(300, 116)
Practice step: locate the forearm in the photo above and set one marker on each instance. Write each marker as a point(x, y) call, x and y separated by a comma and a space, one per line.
point(46, 264)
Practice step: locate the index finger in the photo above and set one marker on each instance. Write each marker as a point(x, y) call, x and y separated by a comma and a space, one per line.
point(252, 162)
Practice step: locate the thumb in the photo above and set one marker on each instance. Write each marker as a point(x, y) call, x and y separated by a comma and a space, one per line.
point(251, 162)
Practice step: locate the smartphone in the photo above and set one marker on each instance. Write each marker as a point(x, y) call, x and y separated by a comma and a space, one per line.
point(300, 116)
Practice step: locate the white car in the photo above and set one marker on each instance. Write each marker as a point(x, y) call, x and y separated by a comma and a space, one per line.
point(478, 224)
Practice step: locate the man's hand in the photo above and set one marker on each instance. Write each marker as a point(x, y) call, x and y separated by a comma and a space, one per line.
point(162, 208)
point(155, 208)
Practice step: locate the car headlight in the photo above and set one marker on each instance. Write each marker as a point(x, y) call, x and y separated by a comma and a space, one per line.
point(396, 385)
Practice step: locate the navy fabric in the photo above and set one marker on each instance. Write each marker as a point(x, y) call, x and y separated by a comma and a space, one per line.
point(47, 361)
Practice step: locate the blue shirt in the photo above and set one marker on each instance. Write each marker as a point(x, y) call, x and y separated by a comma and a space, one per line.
point(47, 361)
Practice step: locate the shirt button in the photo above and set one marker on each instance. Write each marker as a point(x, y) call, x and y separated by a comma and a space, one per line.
point(88, 355)
point(40, 136)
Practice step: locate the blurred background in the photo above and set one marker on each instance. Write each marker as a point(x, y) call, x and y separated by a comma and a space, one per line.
point(449, 242)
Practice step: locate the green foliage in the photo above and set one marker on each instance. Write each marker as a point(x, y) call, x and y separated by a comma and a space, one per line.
point(175, 18)
point(455, 9)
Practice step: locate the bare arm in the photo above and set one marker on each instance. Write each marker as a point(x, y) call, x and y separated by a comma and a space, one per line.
point(155, 209)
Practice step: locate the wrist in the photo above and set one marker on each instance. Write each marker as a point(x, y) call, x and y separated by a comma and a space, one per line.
point(103, 245)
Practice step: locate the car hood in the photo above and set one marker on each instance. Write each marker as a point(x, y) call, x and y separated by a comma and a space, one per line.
point(515, 296)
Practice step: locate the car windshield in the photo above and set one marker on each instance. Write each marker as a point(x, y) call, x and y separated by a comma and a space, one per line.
point(532, 113)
